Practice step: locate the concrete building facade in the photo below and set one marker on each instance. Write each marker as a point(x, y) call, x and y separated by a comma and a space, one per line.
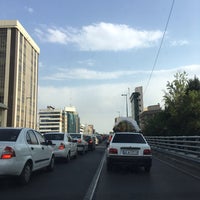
point(136, 100)
point(50, 120)
point(59, 120)
point(19, 58)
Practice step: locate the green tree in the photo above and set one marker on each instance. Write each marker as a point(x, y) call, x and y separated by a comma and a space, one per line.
point(181, 115)
point(193, 84)
point(174, 100)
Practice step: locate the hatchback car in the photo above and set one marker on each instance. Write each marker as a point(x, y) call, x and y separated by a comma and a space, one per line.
point(63, 145)
point(82, 144)
point(22, 151)
point(129, 148)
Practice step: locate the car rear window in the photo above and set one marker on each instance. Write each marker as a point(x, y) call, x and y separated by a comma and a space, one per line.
point(75, 135)
point(87, 138)
point(128, 138)
point(9, 135)
point(54, 136)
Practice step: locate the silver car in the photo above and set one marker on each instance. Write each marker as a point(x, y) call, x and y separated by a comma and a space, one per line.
point(22, 151)
point(82, 144)
point(63, 144)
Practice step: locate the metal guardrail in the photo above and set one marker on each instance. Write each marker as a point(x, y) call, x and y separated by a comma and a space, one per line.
point(187, 147)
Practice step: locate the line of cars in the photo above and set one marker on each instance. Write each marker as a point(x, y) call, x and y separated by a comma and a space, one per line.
point(24, 150)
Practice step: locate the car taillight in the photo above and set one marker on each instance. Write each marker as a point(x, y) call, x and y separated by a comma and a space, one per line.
point(113, 151)
point(79, 141)
point(147, 152)
point(8, 153)
point(90, 141)
point(61, 147)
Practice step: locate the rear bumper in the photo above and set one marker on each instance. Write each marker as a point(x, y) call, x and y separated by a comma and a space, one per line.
point(11, 167)
point(140, 161)
point(81, 147)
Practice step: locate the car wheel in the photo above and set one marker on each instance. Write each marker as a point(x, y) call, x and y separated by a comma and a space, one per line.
point(51, 164)
point(75, 154)
point(83, 152)
point(147, 169)
point(25, 176)
point(68, 157)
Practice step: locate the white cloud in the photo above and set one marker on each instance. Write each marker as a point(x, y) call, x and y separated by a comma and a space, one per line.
point(52, 35)
point(86, 74)
point(29, 9)
point(88, 62)
point(179, 42)
point(101, 36)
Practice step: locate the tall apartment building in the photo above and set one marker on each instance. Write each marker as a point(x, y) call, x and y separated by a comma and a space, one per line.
point(136, 100)
point(19, 56)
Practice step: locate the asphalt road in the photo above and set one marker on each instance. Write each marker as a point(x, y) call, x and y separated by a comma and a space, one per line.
point(77, 179)
point(164, 182)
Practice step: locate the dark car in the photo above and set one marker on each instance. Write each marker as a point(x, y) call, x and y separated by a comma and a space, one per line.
point(91, 142)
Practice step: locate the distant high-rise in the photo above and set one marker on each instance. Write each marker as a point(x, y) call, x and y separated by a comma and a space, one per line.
point(136, 100)
point(51, 120)
point(19, 57)
point(59, 120)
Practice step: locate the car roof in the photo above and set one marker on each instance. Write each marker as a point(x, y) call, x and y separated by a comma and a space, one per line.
point(55, 133)
point(11, 128)
point(128, 133)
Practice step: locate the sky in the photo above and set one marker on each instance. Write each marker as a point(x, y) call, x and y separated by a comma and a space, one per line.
point(93, 51)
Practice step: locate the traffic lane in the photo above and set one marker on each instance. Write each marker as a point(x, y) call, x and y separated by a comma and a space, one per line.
point(68, 180)
point(163, 182)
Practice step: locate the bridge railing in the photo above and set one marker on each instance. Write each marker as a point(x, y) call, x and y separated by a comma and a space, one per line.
point(187, 147)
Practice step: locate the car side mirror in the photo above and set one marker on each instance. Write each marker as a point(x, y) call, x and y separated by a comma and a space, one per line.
point(49, 142)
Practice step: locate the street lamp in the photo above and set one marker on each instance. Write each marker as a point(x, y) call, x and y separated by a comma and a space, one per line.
point(125, 95)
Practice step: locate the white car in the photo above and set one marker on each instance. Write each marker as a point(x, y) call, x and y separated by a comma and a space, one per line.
point(22, 151)
point(63, 144)
point(129, 148)
point(82, 144)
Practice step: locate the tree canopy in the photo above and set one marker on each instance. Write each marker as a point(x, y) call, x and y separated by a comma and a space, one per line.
point(181, 114)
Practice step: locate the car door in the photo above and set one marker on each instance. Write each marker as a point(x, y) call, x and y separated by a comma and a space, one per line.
point(34, 148)
point(72, 145)
point(37, 151)
point(46, 150)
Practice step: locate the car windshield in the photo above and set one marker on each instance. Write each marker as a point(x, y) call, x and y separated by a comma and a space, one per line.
point(75, 135)
point(128, 138)
point(54, 136)
point(9, 135)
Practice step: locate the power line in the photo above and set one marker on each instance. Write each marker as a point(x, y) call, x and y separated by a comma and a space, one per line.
point(159, 49)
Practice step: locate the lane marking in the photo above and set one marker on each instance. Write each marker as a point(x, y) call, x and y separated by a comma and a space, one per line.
point(90, 193)
point(177, 168)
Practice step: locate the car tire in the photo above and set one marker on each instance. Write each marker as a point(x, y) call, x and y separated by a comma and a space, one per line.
point(76, 154)
point(83, 152)
point(147, 169)
point(51, 165)
point(25, 175)
point(68, 157)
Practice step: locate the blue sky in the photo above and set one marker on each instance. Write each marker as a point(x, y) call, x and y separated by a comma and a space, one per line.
point(92, 51)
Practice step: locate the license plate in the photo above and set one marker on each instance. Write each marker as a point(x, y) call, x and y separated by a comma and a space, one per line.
point(130, 152)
